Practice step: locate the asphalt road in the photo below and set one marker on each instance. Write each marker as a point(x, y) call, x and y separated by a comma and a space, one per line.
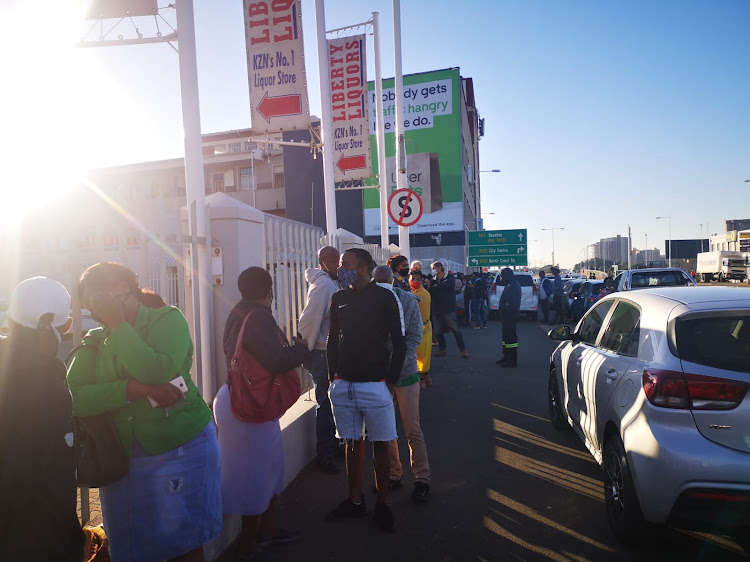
point(506, 484)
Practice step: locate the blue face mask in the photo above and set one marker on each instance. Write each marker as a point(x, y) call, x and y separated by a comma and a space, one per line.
point(346, 276)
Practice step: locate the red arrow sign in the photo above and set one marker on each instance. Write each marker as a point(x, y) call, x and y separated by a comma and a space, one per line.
point(347, 163)
point(280, 105)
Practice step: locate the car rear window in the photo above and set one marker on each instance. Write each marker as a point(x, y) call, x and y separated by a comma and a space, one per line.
point(722, 342)
point(658, 279)
point(523, 280)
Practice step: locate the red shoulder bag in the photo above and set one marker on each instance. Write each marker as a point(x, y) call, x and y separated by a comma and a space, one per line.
point(258, 396)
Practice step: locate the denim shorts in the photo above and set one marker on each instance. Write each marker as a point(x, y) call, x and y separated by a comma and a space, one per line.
point(363, 407)
point(167, 504)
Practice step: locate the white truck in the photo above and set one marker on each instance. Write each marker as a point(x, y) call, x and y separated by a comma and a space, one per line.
point(721, 266)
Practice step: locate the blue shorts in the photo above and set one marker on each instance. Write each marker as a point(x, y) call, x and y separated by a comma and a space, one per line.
point(168, 504)
point(360, 407)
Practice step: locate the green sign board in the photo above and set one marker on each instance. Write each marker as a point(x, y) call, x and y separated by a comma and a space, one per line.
point(497, 247)
point(489, 262)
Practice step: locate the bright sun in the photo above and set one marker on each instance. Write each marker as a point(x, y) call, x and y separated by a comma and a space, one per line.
point(38, 105)
point(54, 104)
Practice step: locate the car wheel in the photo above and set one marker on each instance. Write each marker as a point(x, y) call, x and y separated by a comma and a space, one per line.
point(623, 510)
point(556, 414)
point(721, 277)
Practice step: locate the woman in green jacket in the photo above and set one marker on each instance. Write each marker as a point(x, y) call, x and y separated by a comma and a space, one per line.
point(169, 503)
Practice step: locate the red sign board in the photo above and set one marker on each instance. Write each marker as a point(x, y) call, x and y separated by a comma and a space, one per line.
point(276, 65)
point(351, 134)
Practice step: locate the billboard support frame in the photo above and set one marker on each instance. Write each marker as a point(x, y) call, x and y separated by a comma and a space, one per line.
point(401, 183)
point(384, 240)
point(326, 120)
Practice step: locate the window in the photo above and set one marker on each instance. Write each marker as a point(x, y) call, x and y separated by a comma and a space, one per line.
point(618, 282)
point(278, 177)
point(722, 341)
point(658, 279)
point(622, 333)
point(235, 147)
point(593, 322)
point(218, 182)
point(246, 179)
point(250, 146)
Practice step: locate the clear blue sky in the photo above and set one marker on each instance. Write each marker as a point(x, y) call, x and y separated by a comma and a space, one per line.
point(600, 114)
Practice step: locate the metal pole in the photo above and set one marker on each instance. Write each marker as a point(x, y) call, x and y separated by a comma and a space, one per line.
point(670, 241)
point(326, 120)
point(403, 232)
point(630, 251)
point(380, 134)
point(553, 246)
point(195, 188)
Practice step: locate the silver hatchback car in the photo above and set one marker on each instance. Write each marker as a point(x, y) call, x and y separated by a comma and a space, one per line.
point(656, 385)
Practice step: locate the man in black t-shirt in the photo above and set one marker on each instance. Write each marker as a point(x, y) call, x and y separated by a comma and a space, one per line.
point(364, 318)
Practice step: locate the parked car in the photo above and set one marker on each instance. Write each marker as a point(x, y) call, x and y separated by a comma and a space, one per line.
point(631, 279)
point(585, 297)
point(570, 287)
point(656, 384)
point(529, 294)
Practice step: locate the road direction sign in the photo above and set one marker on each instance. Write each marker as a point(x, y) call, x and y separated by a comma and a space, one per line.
point(497, 247)
point(405, 207)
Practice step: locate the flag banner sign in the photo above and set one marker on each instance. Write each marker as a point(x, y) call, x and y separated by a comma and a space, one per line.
point(348, 79)
point(276, 65)
point(433, 141)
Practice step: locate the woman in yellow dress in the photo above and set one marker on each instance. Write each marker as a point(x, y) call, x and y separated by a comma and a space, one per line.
point(424, 351)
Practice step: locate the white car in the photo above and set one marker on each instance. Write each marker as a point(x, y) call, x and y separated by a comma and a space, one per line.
point(632, 279)
point(529, 294)
point(656, 384)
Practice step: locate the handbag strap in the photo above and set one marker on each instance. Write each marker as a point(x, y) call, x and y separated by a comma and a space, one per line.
point(240, 336)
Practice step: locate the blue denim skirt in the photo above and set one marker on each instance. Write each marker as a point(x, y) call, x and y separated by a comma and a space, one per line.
point(168, 504)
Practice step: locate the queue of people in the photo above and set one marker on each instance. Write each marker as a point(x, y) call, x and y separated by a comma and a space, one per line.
point(366, 342)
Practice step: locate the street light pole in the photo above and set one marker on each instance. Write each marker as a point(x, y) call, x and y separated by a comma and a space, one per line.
point(553, 240)
point(669, 249)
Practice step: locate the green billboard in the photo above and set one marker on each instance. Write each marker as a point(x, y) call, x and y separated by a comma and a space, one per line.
point(432, 126)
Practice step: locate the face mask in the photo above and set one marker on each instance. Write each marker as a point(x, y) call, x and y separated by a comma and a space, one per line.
point(385, 286)
point(346, 276)
point(434, 272)
point(403, 272)
point(414, 285)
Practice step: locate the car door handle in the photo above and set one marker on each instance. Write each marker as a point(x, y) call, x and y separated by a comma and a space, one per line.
point(612, 374)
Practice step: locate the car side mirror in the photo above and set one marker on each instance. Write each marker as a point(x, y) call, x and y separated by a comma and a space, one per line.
point(560, 333)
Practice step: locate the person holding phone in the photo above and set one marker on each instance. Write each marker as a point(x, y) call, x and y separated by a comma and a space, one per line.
point(169, 503)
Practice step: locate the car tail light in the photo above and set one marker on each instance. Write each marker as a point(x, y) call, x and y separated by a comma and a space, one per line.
point(494, 289)
point(673, 389)
point(534, 290)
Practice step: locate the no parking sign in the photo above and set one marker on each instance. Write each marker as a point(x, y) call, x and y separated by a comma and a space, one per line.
point(405, 207)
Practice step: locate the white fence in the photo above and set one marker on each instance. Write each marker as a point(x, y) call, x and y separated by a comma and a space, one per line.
point(291, 248)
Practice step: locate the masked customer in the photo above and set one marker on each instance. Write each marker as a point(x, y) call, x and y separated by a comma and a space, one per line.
point(37, 466)
point(169, 503)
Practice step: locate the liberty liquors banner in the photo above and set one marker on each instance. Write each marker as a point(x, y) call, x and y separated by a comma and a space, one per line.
point(276, 65)
point(348, 79)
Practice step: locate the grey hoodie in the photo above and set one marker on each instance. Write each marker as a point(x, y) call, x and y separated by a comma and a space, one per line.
point(414, 329)
point(314, 322)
